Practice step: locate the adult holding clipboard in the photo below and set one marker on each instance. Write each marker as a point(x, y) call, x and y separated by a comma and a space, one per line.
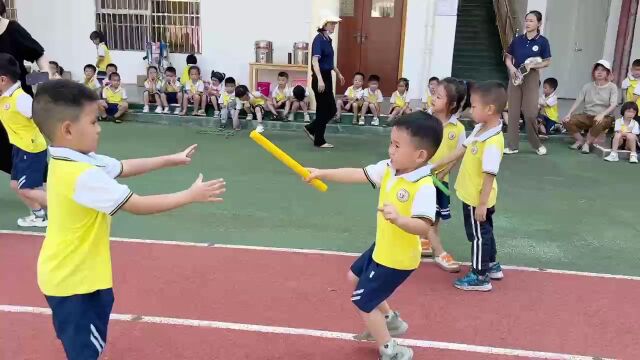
point(16, 41)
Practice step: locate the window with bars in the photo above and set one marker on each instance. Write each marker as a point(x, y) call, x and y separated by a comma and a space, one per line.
point(130, 24)
point(12, 12)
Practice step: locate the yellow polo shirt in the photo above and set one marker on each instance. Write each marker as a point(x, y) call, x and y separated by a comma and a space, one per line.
point(630, 85)
point(82, 196)
point(15, 114)
point(413, 195)
point(453, 136)
point(482, 156)
point(103, 51)
point(114, 96)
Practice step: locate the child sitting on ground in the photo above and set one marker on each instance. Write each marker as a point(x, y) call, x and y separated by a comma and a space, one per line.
point(626, 132)
point(194, 93)
point(114, 100)
point(630, 83)
point(352, 100)
point(281, 97)
point(74, 268)
point(171, 93)
point(399, 100)
point(548, 103)
point(406, 211)
point(251, 103)
point(227, 103)
point(111, 68)
point(191, 61)
point(427, 99)
point(90, 79)
point(152, 91)
point(372, 100)
point(214, 91)
point(56, 70)
point(300, 100)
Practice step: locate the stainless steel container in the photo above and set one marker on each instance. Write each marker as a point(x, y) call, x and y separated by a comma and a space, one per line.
point(264, 52)
point(301, 53)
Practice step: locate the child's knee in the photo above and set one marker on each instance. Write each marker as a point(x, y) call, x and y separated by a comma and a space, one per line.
point(124, 106)
point(14, 185)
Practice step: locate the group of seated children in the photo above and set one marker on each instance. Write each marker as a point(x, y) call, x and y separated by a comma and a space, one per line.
point(113, 104)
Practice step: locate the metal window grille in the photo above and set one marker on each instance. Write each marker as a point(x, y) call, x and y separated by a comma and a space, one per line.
point(12, 12)
point(130, 24)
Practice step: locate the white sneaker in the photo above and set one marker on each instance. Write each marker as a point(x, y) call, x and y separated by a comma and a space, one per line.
point(541, 151)
point(585, 149)
point(159, 110)
point(166, 110)
point(361, 122)
point(509, 151)
point(260, 128)
point(32, 221)
point(575, 146)
point(375, 121)
point(145, 109)
point(177, 111)
point(307, 119)
point(216, 114)
point(291, 117)
point(613, 157)
point(633, 158)
point(250, 117)
point(393, 351)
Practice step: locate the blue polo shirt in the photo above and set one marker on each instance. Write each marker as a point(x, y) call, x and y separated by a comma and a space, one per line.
point(323, 49)
point(522, 48)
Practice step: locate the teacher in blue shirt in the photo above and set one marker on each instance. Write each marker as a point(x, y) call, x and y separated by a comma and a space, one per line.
point(523, 98)
point(323, 64)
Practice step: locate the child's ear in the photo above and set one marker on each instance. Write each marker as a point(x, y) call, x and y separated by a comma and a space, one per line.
point(423, 155)
point(65, 129)
point(491, 109)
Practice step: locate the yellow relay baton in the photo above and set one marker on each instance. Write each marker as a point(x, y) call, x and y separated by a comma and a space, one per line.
point(286, 159)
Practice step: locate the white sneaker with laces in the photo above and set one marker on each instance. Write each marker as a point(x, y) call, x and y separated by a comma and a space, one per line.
point(166, 110)
point(585, 149)
point(375, 121)
point(307, 118)
point(633, 158)
point(509, 151)
point(393, 351)
point(177, 111)
point(541, 151)
point(361, 121)
point(613, 157)
point(159, 110)
point(32, 221)
point(575, 146)
point(260, 128)
point(145, 109)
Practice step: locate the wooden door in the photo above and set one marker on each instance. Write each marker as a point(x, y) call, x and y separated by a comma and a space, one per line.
point(370, 41)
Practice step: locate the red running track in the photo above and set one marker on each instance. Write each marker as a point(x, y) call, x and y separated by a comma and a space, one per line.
point(537, 311)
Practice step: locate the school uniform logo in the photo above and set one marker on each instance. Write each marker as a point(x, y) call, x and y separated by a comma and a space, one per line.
point(403, 195)
point(474, 149)
point(535, 48)
point(7, 106)
point(452, 135)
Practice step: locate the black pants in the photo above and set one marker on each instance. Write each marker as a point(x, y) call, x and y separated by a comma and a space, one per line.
point(483, 243)
point(325, 107)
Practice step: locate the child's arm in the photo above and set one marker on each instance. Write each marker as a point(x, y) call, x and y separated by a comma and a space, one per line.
point(487, 184)
point(134, 167)
point(451, 159)
point(200, 191)
point(344, 175)
point(423, 211)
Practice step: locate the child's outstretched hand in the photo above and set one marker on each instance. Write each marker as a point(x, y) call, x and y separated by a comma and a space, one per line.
point(389, 212)
point(208, 191)
point(184, 157)
point(313, 174)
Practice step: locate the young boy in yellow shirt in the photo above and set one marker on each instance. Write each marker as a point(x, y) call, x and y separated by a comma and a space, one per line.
point(476, 185)
point(406, 211)
point(74, 265)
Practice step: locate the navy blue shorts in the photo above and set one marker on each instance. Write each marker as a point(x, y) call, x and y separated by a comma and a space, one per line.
point(376, 282)
point(548, 123)
point(81, 322)
point(112, 109)
point(443, 212)
point(172, 98)
point(29, 169)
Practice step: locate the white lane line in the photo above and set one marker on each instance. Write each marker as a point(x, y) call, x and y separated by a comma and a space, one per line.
point(314, 333)
point(327, 252)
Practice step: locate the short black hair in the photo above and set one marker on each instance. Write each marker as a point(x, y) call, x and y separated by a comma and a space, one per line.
point(218, 75)
point(3, 8)
point(552, 82)
point(54, 63)
point(636, 63)
point(299, 92)
point(405, 81)
point(9, 67)
point(151, 67)
point(283, 74)
point(424, 128)
point(230, 81)
point(113, 74)
point(434, 78)
point(492, 92)
point(192, 59)
point(170, 70)
point(90, 66)
point(111, 65)
point(374, 77)
point(57, 101)
point(97, 35)
point(629, 105)
point(359, 73)
point(194, 67)
point(241, 91)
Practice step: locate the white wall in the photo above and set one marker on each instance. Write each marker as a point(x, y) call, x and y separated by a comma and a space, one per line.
point(63, 28)
point(635, 45)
